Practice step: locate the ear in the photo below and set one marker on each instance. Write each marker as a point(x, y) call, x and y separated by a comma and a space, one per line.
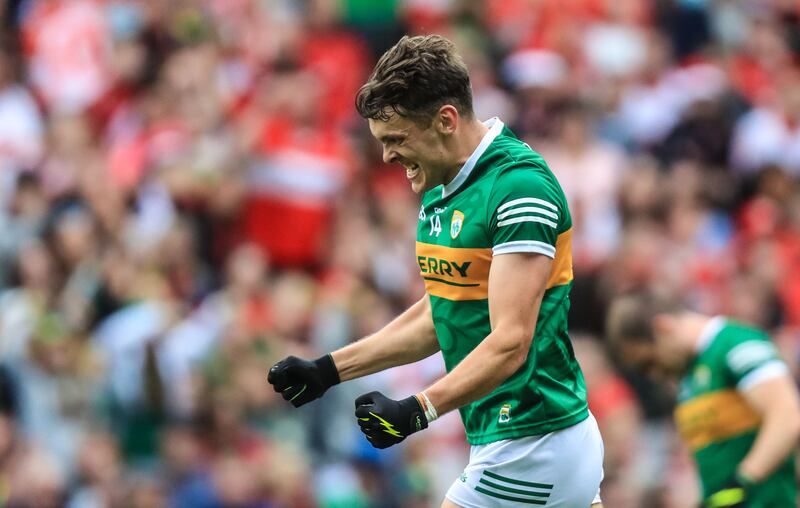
point(446, 120)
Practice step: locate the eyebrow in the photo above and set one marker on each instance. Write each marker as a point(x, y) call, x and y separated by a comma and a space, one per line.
point(390, 137)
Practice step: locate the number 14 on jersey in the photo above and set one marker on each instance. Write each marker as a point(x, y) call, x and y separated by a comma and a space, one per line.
point(436, 225)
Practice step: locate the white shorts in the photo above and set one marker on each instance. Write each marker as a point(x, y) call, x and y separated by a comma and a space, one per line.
point(562, 469)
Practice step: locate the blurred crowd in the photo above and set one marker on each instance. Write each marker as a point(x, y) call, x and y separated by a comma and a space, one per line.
point(187, 195)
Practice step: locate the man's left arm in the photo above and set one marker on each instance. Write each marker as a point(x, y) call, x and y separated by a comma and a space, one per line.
point(516, 285)
point(517, 282)
point(776, 400)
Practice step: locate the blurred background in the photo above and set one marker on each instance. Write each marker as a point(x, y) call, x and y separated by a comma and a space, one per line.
point(187, 195)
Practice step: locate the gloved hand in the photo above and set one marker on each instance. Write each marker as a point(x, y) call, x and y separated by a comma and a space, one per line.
point(732, 494)
point(385, 421)
point(301, 381)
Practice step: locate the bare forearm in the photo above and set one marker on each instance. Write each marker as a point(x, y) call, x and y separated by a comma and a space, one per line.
point(408, 338)
point(484, 369)
point(776, 440)
point(516, 288)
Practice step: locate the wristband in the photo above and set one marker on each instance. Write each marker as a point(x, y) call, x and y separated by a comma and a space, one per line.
point(327, 370)
point(427, 406)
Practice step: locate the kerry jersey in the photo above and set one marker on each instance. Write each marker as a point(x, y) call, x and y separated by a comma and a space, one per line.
point(716, 422)
point(503, 200)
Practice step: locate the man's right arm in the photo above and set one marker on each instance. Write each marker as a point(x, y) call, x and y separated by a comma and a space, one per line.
point(408, 338)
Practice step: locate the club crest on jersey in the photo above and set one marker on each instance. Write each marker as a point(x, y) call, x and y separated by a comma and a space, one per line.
point(505, 414)
point(702, 376)
point(456, 224)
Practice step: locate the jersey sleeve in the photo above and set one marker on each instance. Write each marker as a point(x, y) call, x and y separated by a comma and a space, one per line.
point(753, 359)
point(527, 211)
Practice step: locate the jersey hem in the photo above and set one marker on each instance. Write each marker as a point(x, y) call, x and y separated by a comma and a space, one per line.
point(525, 246)
point(531, 430)
point(766, 372)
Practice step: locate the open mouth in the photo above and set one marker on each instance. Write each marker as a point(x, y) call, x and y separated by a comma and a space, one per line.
point(412, 171)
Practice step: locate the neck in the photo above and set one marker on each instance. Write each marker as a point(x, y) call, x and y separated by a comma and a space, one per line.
point(692, 326)
point(466, 140)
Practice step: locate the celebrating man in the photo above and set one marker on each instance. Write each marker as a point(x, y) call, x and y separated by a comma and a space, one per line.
point(494, 249)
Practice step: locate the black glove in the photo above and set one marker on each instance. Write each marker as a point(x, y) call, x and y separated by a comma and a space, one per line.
point(301, 381)
point(386, 422)
point(732, 494)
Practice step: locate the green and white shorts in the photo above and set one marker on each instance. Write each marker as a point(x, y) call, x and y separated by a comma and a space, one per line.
point(562, 469)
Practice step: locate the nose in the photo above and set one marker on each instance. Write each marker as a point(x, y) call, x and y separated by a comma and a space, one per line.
point(389, 155)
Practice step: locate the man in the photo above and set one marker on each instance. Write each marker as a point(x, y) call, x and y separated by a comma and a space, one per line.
point(493, 246)
point(738, 409)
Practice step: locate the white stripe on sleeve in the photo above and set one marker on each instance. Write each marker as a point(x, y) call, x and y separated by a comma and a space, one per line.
point(770, 370)
point(525, 246)
point(520, 201)
point(528, 209)
point(516, 220)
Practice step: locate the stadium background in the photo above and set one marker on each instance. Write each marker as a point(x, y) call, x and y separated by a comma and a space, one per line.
point(187, 195)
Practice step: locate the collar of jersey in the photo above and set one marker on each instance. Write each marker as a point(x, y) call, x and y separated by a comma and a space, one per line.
point(709, 333)
point(495, 127)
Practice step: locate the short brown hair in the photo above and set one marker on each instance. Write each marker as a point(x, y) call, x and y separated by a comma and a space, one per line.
point(630, 316)
point(414, 78)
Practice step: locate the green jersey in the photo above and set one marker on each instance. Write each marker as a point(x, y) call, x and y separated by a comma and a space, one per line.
point(503, 200)
point(716, 421)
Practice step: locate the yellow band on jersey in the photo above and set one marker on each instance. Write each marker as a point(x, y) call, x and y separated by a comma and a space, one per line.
point(561, 273)
point(714, 417)
point(463, 273)
point(454, 273)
